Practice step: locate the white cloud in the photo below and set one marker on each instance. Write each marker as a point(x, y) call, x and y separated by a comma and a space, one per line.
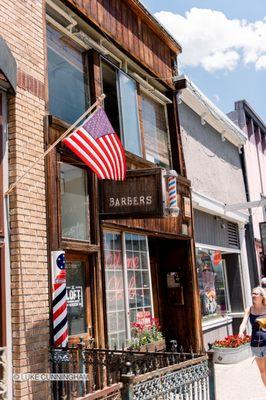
point(216, 98)
point(212, 40)
point(261, 63)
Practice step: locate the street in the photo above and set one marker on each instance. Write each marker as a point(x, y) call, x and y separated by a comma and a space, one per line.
point(239, 381)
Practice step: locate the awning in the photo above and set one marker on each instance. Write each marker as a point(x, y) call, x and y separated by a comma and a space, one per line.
point(8, 67)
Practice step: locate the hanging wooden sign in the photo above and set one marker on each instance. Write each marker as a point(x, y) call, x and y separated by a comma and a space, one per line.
point(141, 195)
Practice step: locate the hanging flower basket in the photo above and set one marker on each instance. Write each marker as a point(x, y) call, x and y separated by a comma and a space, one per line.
point(231, 349)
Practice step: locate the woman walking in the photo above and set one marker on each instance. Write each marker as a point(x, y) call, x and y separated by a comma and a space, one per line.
point(256, 315)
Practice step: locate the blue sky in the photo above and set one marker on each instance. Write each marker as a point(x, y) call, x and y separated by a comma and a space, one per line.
point(224, 47)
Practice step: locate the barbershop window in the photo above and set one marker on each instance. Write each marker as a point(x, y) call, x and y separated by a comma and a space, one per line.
point(128, 284)
point(67, 76)
point(74, 202)
point(212, 283)
point(121, 106)
point(75, 293)
point(156, 134)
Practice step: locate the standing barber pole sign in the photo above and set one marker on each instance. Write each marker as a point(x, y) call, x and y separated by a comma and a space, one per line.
point(60, 332)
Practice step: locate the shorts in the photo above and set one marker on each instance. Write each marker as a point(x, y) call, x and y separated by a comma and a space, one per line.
point(258, 351)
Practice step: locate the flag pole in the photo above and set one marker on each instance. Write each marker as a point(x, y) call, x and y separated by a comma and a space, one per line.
point(94, 105)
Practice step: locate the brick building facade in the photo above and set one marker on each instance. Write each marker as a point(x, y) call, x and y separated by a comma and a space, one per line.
point(22, 28)
point(120, 43)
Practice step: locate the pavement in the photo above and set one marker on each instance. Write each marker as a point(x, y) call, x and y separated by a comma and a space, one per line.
point(239, 381)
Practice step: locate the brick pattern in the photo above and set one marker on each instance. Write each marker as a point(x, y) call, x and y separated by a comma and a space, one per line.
point(31, 84)
point(22, 26)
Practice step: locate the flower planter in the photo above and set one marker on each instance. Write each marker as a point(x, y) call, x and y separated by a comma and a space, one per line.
point(155, 346)
point(231, 355)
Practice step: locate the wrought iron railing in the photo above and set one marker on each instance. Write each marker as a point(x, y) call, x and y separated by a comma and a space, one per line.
point(3, 374)
point(144, 375)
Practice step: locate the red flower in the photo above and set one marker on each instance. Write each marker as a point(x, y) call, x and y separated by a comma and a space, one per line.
point(232, 341)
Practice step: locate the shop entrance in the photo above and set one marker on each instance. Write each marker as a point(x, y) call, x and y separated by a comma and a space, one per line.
point(175, 291)
point(79, 296)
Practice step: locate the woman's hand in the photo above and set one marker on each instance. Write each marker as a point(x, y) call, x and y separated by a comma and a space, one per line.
point(241, 334)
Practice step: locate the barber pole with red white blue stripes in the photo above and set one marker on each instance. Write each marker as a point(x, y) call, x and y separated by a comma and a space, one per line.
point(60, 329)
point(172, 193)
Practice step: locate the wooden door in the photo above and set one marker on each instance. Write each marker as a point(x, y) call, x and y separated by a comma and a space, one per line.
point(79, 296)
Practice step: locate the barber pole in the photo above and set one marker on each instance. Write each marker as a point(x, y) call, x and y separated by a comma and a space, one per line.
point(172, 193)
point(60, 332)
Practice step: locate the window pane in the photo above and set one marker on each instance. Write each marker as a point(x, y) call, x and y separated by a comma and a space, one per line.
point(110, 91)
point(211, 283)
point(66, 75)
point(114, 285)
point(74, 202)
point(139, 285)
point(155, 132)
point(128, 97)
point(76, 304)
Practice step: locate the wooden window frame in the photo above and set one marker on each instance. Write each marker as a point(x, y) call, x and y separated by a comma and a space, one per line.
point(122, 234)
point(64, 241)
point(89, 313)
point(142, 92)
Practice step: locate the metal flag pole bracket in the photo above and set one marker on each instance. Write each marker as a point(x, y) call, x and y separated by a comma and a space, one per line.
point(94, 105)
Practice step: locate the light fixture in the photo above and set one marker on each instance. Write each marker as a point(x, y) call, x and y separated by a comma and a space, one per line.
point(223, 136)
point(240, 149)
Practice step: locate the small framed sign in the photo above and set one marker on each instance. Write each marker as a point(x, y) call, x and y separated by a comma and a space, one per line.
point(186, 207)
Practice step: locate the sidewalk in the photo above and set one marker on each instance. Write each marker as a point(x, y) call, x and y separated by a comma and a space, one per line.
point(239, 381)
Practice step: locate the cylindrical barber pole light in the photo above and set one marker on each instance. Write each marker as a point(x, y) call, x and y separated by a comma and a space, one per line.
point(172, 192)
point(60, 333)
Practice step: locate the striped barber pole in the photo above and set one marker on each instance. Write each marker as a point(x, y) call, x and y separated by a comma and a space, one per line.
point(172, 192)
point(60, 331)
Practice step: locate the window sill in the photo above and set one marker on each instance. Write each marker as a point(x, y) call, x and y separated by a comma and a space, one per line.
point(216, 322)
point(137, 161)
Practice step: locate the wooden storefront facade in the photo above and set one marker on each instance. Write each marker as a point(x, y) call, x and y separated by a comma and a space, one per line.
point(133, 48)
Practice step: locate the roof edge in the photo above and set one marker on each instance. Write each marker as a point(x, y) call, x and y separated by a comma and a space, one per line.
point(186, 84)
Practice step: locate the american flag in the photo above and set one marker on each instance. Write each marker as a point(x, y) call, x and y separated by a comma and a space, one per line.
point(96, 143)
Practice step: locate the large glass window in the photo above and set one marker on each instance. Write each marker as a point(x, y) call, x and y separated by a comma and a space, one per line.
point(111, 100)
point(76, 304)
point(128, 97)
point(115, 294)
point(66, 76)
point(74, 202)
point(212, 283)
point(156, 135)
point(128, 284)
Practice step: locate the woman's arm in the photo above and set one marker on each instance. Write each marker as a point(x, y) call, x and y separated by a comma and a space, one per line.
point(243, 325)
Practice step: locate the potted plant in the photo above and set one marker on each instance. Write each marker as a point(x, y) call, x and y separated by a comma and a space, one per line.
point(147, 336)
point(231, 350)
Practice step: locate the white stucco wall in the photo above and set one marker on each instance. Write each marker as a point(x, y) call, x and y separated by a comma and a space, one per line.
point(212, 166)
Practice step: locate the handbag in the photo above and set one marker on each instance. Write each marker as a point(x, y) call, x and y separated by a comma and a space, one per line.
point(262, 322)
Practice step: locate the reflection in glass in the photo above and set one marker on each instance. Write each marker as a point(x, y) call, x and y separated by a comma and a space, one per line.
point(74, 202)
point(128, 97)
point(211, 282)
point(66, 77)
point(76, 305)
point(155, 132)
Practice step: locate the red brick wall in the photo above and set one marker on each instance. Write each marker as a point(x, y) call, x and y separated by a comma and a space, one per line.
point(22, 26)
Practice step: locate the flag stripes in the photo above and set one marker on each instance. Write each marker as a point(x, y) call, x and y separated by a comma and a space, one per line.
point(99, 147)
